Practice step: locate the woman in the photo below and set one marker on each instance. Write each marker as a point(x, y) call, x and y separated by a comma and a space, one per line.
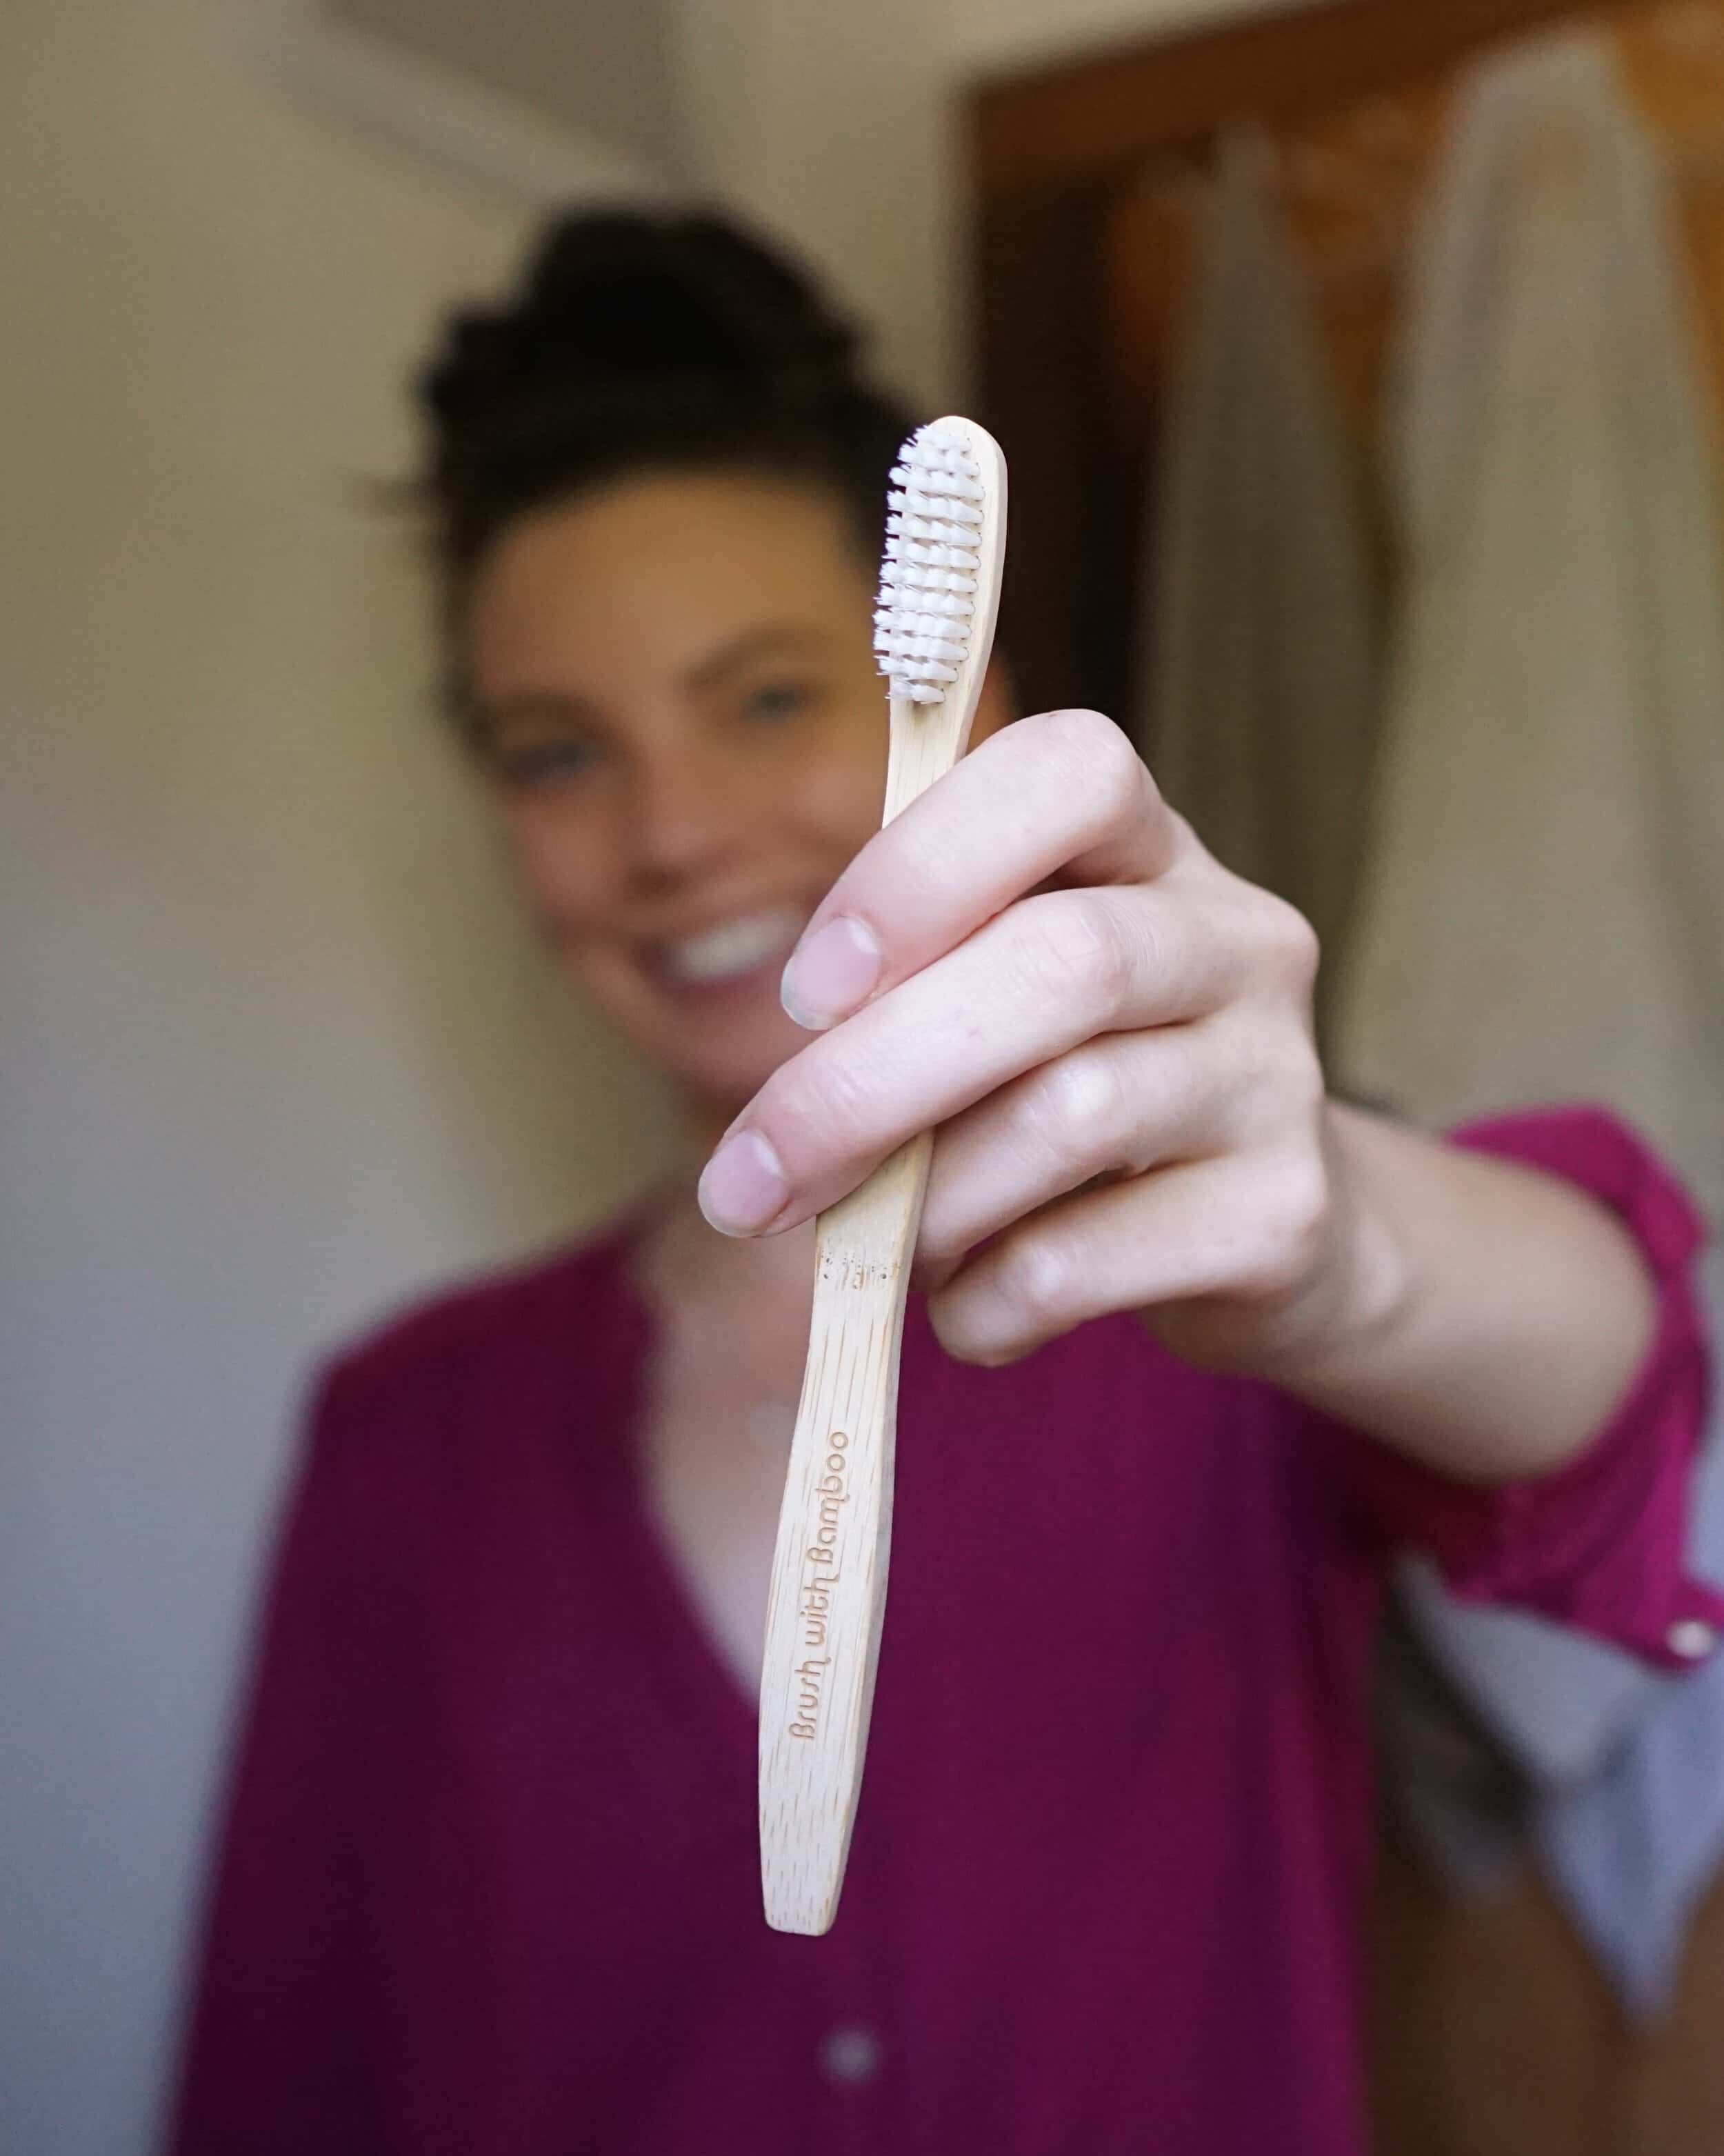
point(1198, 1349)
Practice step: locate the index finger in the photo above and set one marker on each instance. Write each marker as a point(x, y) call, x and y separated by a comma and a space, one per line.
point(1062, 792)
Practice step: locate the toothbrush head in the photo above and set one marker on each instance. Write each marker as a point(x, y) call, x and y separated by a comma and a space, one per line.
point(924, 625)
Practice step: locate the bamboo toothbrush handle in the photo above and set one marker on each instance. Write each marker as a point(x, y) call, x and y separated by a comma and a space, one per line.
point(829, 1585)
point(830, 1571)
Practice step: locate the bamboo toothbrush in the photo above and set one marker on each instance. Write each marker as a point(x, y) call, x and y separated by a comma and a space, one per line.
point(939, 596)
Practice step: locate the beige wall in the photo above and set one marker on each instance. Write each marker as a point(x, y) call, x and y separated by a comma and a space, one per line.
point(832, 123)
point(825, 121)
point(999, 34)
point(275, 1048)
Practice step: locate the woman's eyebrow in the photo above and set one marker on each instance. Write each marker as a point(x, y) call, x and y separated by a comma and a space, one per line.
point(770, 639)
point(490, 712)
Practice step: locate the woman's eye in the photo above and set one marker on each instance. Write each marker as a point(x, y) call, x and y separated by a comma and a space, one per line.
point(528, 765)
point(775, 701)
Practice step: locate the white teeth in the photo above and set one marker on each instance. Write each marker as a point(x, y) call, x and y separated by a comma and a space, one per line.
point(734, 947)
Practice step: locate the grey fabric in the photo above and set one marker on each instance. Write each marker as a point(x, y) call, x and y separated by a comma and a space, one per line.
point(1558, 1700)
point(1618, 1787)
point(1261, 680)
point(1634, 1850)
point(1543, 911)
point(1457, 1799)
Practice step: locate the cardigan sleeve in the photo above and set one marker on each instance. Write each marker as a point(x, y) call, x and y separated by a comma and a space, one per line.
point(1601, 1546)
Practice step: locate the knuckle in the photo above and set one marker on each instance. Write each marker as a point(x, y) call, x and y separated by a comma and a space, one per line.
point(1303, 1205)
point(1292, 1220)
point(1075, 729)
point(1073, 1107)
point(1291, 943)
point(1269, 1075)
point(1035, 1282)
point(1082, 947)
point(1311, 1091)
point(1273, 1073)
point(1117, 773)
point(1301, 1086)
point(1097, 757)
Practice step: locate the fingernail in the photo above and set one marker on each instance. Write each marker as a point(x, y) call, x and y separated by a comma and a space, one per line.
point(743, 1186)
point(830, 973)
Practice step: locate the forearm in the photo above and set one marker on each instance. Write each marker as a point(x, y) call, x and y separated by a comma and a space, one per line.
point(1482, 1317)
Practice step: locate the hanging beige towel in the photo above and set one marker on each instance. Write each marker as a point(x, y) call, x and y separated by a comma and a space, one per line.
point(1543, 908)
point(1261, 684)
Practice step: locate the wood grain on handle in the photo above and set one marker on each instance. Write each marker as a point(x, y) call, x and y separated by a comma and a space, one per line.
point(828, 1587)
point(835, 1534)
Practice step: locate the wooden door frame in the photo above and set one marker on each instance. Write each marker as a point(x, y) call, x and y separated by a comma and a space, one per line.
point(1047, 153)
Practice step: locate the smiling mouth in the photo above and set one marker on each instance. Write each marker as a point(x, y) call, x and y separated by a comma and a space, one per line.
point(732, 949)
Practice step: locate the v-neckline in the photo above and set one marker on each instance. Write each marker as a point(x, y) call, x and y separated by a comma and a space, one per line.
point(735, 1712)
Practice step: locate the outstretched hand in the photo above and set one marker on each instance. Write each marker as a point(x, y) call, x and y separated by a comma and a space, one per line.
point(1110, 1036)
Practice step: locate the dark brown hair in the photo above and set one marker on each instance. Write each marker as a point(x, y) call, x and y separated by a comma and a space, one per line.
point(638, 342)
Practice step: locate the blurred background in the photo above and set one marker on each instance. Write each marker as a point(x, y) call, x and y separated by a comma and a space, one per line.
point(278, 1049)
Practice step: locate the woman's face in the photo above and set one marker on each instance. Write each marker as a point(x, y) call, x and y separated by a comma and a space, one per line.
point(677, 703)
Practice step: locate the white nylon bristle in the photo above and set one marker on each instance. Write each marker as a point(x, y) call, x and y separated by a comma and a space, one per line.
point(927, 582)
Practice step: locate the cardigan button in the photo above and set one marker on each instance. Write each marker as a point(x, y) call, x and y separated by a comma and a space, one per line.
point(851, 2056)
point(1692, 1639)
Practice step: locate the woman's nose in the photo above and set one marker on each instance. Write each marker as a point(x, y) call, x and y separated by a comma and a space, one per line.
point(685, 815)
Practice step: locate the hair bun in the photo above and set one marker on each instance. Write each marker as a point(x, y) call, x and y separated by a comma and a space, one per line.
point(647, 341)
point(625, 301)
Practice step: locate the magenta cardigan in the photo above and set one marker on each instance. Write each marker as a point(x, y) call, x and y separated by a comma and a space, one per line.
point(489, 1883)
